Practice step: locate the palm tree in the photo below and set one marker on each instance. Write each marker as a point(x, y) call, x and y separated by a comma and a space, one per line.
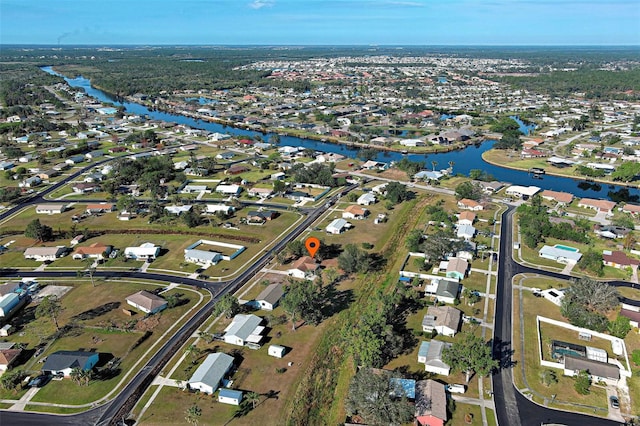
point(252, 398)
point(80, 376)
point(194, 352)
point(451, 164)
point(434, 163)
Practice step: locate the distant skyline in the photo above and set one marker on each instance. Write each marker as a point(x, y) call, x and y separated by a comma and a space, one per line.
point(320, 22)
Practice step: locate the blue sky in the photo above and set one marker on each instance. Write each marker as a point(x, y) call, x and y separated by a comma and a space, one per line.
point(321, 22)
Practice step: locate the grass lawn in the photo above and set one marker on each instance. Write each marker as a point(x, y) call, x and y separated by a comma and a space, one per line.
point(491, 417)
point(458, 416)
point(96, 329)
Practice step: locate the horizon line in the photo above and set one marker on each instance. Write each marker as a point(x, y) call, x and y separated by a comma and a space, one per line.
point(370, 45)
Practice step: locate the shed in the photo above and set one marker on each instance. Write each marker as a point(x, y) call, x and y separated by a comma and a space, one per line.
point(277, 351)
point(229, 396)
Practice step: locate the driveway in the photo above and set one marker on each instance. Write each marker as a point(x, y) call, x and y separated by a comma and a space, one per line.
point(614, 413)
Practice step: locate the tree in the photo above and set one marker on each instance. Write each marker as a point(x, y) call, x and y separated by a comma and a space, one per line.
point(396, 192)
point(50, 307)
point(227, 305)
point(471, 354)
point(434, 164)
point(413, 240)
point(11, 379)
point(440, 244)
point(191, 219)
point(252, 398)
point(302, 300)
point(373, 397)
point(627, 171)
point(619, 327)
point(582, 383)
point(38, 231)
point(548, 377)
point(353, 259)
point(593, 295)
point(193, 415)
point(194, 352)
point(296, 248)
point(468, 190)
point(80, 376)
point(279, 186)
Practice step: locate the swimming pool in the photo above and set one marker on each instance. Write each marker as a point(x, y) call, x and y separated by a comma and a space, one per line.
point(561, 247)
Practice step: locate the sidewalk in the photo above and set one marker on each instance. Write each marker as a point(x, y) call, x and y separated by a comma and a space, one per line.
point(19, 406)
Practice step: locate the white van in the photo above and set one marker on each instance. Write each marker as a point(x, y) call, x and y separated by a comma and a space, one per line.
point(456, 388)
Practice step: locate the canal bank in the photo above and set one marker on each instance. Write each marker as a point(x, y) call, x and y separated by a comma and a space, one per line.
point(462, 161)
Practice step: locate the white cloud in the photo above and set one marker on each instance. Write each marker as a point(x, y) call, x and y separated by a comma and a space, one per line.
point(259, 4)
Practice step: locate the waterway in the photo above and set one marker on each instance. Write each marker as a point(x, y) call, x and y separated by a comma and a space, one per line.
point(463, 160)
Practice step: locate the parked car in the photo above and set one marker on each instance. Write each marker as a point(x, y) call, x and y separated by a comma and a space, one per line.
point(39, 381)
point(38, 352)
point(454, 388)
point(614, 401)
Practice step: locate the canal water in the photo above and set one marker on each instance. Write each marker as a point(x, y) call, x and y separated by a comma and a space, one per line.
point(463, 160)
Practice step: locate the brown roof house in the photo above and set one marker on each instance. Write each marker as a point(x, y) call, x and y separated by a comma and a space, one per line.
point(303, 268)
point(468, 204)
point(445, 320)
point(355, 212)
point(563, 198)
point(598, 205)
point(147, 302)
point(8, 357)
point(94, 251)
point(618, 259)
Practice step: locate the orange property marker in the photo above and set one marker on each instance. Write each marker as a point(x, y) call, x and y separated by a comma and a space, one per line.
point(312, 244)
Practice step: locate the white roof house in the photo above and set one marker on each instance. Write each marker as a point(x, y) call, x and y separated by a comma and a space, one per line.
point(215, 208)
point(202, 257)
point(229, 189)
point(210, 373)
point(50, 208)
point(522, 191)
point(560, 255)
point(43, 254)
point(367, 199)
point(244, 329)
point(430, 354)
point(143, 252)
point(177, 210)
point(466, 231)
point(338, 226)
point(190, 189)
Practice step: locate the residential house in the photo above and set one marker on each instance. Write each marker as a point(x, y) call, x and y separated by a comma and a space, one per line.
point(228, 155)
point(598, 370)
point(209, 374)
point(85, 187)
point(8, 357)
point(553, 295)
point(147, 302)
point(303, 268)
point(465, 231)
point(298, 196)
point(10, 303)
point(194, 189)
point(203, 258)
point(215, 208)
point(562, 198)
point(354, 212)
point(48, 174)
point(611, 231)
point(97, 251)
point(598, 205)
point(560, 255)
point(523, 192)
point(430, 354)
point(430, 403)
point(445, 320)
point(93, 177)
point(489, 187)
point(468, 204)
point(146, 251)
point(633, 209)
point(50, 208)
point(269, 297)
point(260, 217)
point(229, 396)
point(260, 192)
point(66, 361)
point(618, 259)
point(367, 199)
point(228, 189)
point(457, 268)
point(44, 254)
point(244, 329)
point(75, 159)
point(466, 218)
point(7, 165)
point(445, 291)
point(236, 169)
point(337, 226)
point(30, 182)
point(100, 208)
point(178, 210)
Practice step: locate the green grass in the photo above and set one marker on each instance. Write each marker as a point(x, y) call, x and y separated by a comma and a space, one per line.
point(53, 410)
point(458, 416)
point(491, 417)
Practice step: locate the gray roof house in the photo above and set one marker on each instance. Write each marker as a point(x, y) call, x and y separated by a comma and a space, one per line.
point(599, 371)
point(269, 297)
point(208, 376)
point(430, 354)
point(65, 361)
point(444, 320)
point(444, 290)
point(431, 403)
point(243, 329)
